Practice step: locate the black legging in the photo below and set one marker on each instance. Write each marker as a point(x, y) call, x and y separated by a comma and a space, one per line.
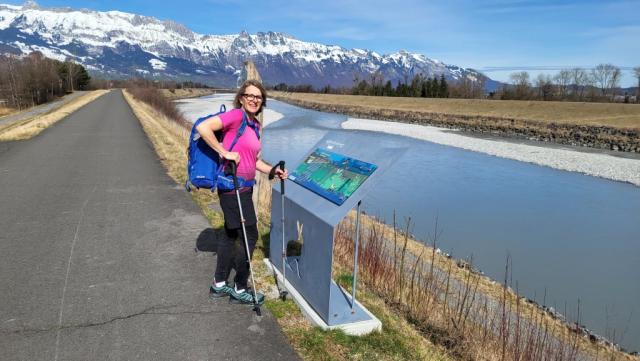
point(230, 254)
point(229, 257)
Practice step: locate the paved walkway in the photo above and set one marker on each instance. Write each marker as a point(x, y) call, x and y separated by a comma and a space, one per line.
point(40, 109)
point(97, 256)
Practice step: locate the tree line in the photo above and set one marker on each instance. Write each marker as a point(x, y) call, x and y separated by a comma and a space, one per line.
point(600, 84)
point(100, 83)
point(419, 86)
point(35, 79)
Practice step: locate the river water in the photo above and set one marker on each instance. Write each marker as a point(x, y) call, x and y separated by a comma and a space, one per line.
point(571, 237)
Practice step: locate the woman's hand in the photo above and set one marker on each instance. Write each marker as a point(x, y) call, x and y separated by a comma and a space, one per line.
point(232, 156)
point(282, 174)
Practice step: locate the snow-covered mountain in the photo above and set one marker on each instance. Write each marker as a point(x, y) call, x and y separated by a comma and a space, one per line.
point(117, 44)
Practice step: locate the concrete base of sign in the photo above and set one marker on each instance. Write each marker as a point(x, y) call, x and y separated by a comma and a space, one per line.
point(359, 328)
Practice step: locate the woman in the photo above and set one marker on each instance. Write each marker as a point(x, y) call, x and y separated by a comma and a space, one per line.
point(248, 103)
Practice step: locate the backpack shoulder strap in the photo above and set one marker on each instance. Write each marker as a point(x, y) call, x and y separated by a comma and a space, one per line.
point(240, 131)
point(243, 127)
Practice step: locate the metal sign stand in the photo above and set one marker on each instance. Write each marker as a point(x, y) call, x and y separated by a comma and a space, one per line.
point(308, 274)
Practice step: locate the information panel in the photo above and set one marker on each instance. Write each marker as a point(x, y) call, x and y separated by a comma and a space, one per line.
point(332, 175)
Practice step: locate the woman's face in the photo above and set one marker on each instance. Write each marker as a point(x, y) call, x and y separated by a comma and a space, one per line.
point(251, 99)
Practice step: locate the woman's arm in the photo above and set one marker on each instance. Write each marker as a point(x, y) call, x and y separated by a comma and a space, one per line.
point(206, 129)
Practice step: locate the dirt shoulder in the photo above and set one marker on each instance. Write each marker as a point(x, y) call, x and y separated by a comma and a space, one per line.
point(596, 125)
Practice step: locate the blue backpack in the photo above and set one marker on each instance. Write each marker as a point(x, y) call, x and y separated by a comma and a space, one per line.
point(204, 167)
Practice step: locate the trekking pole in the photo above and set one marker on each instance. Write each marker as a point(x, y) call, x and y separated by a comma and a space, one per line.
point(283, 291)
point(256, 306)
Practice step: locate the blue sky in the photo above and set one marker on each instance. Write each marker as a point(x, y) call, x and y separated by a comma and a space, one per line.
point(494, 36)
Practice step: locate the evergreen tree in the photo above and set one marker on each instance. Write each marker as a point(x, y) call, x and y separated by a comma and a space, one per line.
point(427, 88)
point(443, 91)
point(388, 89)
point(416, 85)
point(82, 78)
point(401, 89)
point(434, 87)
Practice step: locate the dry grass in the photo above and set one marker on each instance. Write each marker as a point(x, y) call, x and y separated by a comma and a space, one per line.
point(31, 127)
point(174, 94)
point(605, 114)
point(446, 300)
point(6, 111)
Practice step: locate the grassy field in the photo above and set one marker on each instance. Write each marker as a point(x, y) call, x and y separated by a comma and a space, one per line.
point(31, 127)
point(606, 114)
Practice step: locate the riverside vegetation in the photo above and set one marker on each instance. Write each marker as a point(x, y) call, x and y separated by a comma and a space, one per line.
point(432, 307)
point(183, 93)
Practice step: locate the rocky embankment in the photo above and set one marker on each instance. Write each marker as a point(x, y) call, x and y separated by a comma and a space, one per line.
point(601, 137)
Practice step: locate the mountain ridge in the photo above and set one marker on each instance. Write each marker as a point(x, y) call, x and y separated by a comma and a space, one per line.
point(117, 44)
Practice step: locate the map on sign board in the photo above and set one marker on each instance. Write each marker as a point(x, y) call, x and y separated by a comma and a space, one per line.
point(332, 175)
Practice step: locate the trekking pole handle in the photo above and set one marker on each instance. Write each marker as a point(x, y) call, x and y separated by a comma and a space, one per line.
point(233, 169)
point(272, 172)
point(281, 164)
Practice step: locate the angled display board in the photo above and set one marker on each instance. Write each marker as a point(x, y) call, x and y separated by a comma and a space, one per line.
point(331, 175)
point(326, 184)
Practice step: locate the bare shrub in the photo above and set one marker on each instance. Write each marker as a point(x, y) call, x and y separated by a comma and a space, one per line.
point(154, 98)
point(450, 303)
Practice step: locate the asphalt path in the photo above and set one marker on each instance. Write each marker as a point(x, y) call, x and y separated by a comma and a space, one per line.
point(40, 109)
point(97, 256)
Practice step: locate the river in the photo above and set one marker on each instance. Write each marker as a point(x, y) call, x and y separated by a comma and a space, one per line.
point(571, 237)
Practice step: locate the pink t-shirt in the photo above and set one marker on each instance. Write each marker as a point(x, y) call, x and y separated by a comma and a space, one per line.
point(248, 144)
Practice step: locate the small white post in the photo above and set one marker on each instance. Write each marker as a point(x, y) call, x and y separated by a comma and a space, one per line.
point(355, 259)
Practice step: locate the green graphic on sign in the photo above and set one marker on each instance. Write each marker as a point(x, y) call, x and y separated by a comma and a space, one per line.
point(332, 175)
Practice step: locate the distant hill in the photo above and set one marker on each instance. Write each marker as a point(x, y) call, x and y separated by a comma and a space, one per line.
point(115, 44)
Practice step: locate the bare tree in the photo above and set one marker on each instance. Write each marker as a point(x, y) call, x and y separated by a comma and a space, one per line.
point(544, 86)
point(580, 79)
point(562, 81)
point(35, 79)
point(522, 85)
point(377, 83)
point(607, 78)
point(467, 88)
point(636, 73)
point(14, 82)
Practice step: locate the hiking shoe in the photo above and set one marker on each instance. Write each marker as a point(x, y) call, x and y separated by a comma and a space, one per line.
point(217, 292)
point(245, 297)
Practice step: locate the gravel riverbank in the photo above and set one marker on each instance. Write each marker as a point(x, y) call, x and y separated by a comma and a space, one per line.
point(594, 164)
